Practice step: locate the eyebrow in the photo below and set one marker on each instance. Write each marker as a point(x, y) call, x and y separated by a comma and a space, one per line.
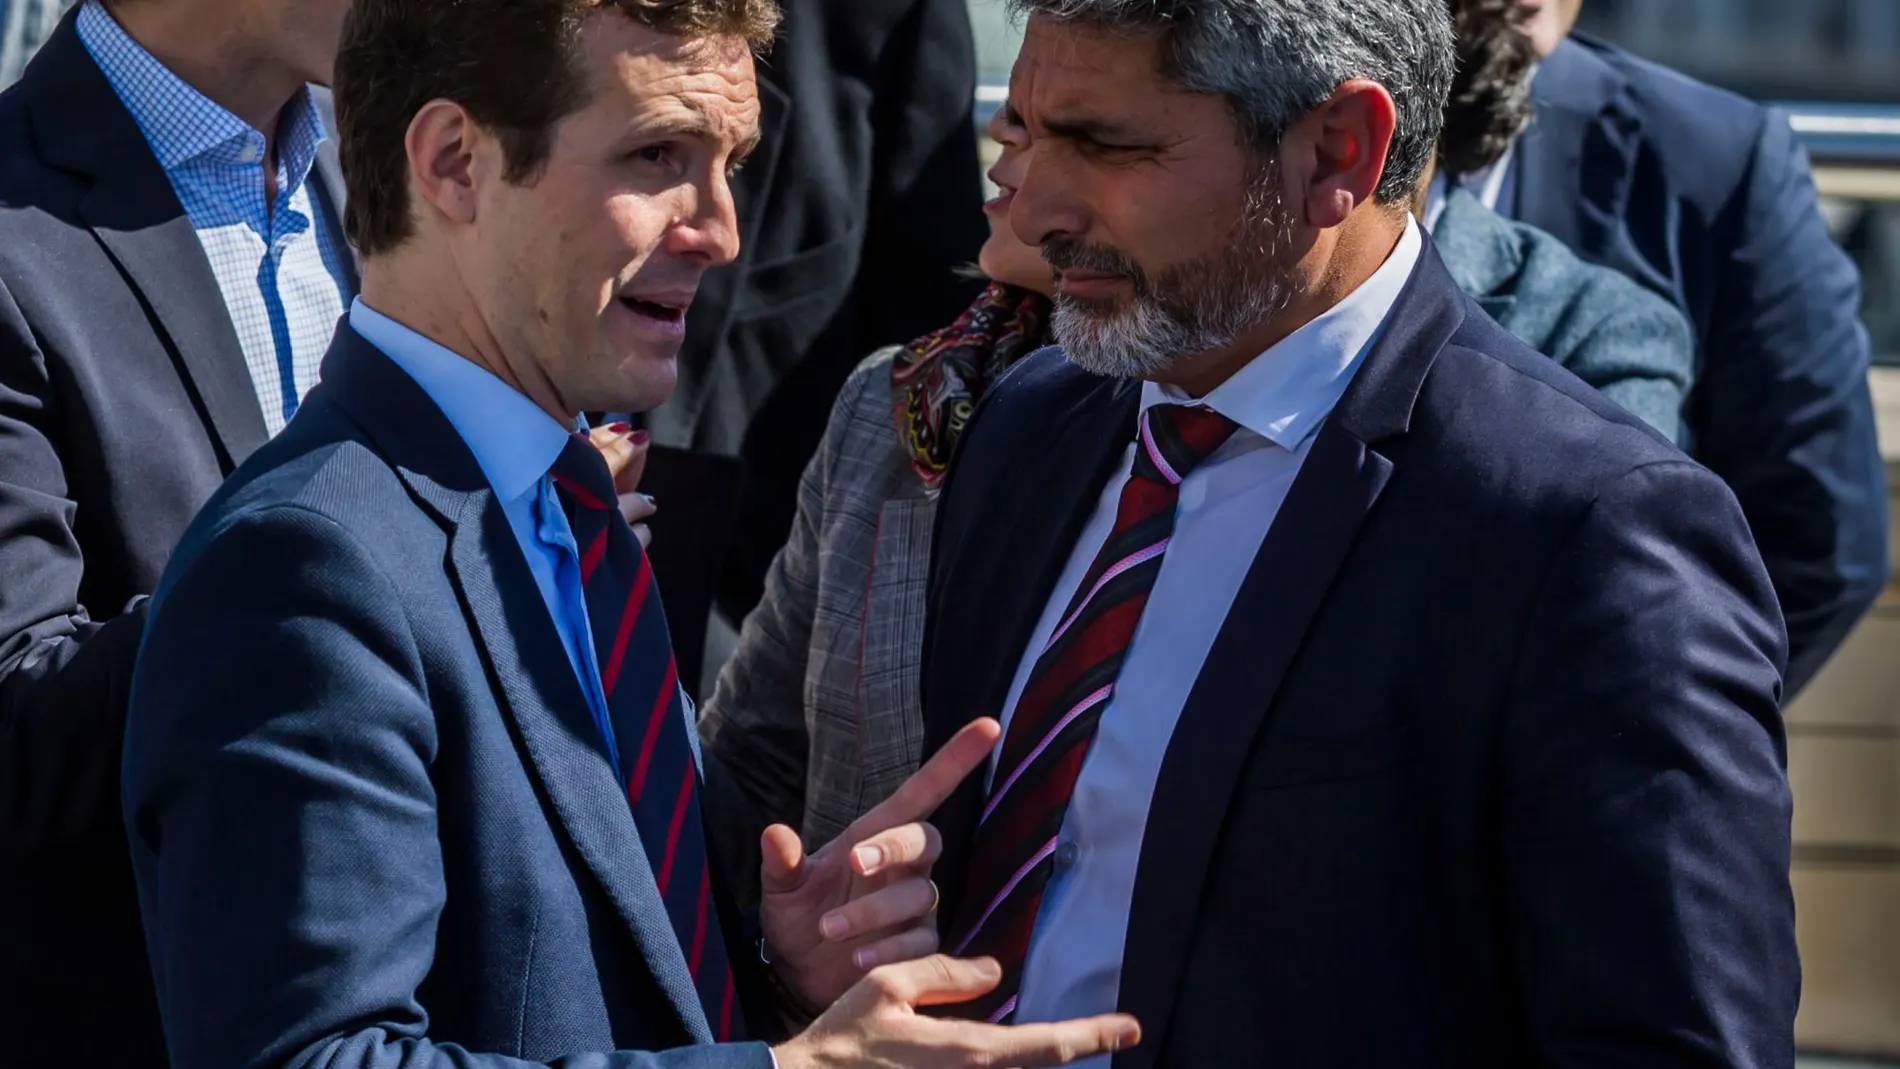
point(1086, 129)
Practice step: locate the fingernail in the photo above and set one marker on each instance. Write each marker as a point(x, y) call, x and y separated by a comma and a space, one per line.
point(866, 959)
point(648, 498)
point(620, 428)
point(1128, 1036)
point(640, 437)
point(869, 858)
point(834, 926)
point(990, 968)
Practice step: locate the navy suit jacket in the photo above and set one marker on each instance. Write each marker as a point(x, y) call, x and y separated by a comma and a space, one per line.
point(372, 821)
point(1707, 199)
point(1485, 767)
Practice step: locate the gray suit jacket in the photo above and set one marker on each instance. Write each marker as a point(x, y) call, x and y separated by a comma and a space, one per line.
point(817, 715)
point(1630, 344)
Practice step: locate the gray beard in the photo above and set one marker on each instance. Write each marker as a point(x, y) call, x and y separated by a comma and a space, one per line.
point(1193, 308)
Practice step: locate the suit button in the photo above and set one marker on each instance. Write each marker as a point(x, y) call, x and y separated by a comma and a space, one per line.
point(1066, 855)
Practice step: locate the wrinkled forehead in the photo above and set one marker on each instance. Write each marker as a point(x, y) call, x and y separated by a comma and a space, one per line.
point(1076, 78)
point(709, 83)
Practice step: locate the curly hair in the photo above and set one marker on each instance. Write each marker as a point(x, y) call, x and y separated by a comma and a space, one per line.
point(1491, 92)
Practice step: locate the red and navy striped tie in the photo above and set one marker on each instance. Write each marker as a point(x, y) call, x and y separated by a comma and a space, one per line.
point(644, 705)
point(1069, 686)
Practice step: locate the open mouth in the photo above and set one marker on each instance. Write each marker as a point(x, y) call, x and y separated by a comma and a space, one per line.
point(665, 313)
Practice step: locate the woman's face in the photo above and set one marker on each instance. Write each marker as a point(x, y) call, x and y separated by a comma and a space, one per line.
point(1004, 257)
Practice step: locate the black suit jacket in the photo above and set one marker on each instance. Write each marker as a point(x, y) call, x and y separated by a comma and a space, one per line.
point(861, 200)
point(1706, 198)
point(1485, 766)
point(124, 401)
point(372, 819)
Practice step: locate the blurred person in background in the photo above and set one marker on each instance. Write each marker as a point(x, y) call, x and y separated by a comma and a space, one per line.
point(1629, 343)
point(172, 268)
point(24, 26)
point(1706, 198)
point(816, 715)
point(857, 211)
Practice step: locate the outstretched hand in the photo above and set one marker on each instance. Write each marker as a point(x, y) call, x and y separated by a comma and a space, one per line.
point(865, 899)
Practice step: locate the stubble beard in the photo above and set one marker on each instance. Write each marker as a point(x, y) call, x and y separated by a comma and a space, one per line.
point(1201, 306)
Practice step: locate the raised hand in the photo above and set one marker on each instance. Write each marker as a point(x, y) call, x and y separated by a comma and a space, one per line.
point(866, 898)
point(876, 1026)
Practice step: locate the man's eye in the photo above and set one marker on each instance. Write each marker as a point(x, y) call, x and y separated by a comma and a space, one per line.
point(654, 154)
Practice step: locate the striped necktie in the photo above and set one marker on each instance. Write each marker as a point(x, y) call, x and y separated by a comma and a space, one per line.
point(645, 707)
point(1071, 683)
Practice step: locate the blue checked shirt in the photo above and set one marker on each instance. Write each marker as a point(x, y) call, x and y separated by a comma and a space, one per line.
point(281, 267)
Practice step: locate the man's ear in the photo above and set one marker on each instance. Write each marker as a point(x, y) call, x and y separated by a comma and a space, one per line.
point(443, 145)
point(1346, 140)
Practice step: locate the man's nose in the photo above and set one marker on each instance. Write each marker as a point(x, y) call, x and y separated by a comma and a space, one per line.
point(1048, 203)
point(710, 228)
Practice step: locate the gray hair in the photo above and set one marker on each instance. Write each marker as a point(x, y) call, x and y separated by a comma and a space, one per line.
point(1277, 60)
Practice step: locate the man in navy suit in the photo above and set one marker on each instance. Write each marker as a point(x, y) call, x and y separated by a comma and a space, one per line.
point(1374, 692)
point(409, 774)
point(1706, 198)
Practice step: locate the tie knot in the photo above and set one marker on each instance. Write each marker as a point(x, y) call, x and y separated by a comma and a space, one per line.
point(581, 473)
point(1175, 439)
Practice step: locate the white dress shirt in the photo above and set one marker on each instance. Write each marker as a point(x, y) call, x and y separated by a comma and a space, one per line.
point(1226, 506)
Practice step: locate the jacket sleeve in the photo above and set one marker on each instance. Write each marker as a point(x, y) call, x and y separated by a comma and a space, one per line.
point(926, 197)
point(753, 728)
point(1645, 828)
point(63, 673)
point(283, 819)
point(1785, 414)
point(1634, 347)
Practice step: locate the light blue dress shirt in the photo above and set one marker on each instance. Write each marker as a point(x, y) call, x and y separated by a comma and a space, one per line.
point(516, 444)
point(1227, 504)
point(282, 267)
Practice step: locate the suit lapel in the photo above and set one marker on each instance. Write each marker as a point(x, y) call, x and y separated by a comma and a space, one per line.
point(1050, 507)
point(1576, 156)
point(528, 667)
point(81, 126)
point(1338, 485)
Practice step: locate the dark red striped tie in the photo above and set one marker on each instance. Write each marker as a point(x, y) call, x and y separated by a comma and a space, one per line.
point(641, 682)
point(1069, 686)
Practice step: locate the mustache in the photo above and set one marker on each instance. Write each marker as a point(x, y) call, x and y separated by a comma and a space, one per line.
point(1073, 254)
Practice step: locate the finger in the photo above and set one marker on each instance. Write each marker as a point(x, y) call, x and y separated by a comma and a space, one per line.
point(627, 479)
point(615, 443)
point(1029, 1046)
point(907, 945)
point(782, 868)
point(936, 980)
point(914, 845)
point(900, 903)
point(644, 534)
point(927, 788)
point(637, 506)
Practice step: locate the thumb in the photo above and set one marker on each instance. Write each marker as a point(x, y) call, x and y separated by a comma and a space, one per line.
point(782, 868)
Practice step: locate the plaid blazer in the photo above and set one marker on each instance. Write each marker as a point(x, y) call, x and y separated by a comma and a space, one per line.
point(816, 716)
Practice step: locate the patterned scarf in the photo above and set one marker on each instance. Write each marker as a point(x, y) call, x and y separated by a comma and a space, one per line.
point(937, 380)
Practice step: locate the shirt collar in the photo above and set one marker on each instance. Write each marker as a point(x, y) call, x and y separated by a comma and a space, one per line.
point(183, 125)
point(1285, 393)
point(514, 442)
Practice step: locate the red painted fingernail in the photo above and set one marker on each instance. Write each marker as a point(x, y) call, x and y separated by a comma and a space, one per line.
point(620, 428)
point(639, 437)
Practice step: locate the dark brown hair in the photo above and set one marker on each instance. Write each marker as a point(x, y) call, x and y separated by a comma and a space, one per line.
point(512, 63)
point(1491, 93)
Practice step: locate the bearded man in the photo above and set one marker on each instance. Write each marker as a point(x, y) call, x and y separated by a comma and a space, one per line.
point(1375, 693)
